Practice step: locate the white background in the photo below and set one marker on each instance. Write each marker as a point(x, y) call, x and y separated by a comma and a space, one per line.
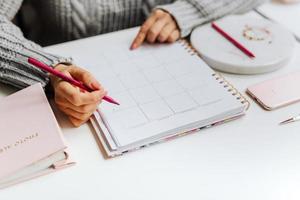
point(250, 158)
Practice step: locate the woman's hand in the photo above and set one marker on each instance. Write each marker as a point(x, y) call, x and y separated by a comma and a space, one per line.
point(159, 27)
point(78, 105)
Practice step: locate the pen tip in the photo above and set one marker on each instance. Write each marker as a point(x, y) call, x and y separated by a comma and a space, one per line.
point(286, 121)
point(114, 102)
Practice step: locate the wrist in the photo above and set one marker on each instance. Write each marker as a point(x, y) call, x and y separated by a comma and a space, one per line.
point(186, 15)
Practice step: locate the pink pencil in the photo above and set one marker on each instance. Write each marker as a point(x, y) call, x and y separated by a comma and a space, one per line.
point(66, 78)
point(232, 40)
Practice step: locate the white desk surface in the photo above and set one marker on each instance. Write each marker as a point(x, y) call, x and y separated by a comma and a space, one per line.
point(252, 158)
point(286, 14)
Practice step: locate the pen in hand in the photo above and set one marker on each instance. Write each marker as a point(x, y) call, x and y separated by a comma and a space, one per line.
point(66, 78)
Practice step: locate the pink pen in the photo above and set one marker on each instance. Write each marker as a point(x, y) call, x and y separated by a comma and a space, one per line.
point(232, 40)
point(66, 78)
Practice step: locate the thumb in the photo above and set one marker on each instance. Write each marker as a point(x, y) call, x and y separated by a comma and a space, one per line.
point(85, 77)
point(95, 85)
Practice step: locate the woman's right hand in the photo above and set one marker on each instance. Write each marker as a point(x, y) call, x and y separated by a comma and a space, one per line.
point(78, 105)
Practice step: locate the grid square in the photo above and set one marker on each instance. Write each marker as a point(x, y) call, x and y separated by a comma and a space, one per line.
point(181, 102)
point(157, 74)
point(156, 110)
point(144, 94)
point(191, 81)
point(133, 80)
point(167, 88)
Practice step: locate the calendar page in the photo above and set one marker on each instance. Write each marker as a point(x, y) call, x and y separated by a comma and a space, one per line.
point(161, 88)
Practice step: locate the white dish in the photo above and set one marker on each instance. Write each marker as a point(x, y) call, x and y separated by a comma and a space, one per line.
point(271, 44)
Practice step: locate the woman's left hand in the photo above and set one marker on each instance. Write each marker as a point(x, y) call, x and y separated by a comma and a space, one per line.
point(159, 27)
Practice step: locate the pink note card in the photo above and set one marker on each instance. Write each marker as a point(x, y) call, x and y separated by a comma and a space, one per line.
point(29, 131)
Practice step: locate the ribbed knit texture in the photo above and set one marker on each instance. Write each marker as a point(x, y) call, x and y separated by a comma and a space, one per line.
point(73, 19)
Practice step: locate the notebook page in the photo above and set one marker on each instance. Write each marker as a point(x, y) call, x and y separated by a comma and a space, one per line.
point(161, 87)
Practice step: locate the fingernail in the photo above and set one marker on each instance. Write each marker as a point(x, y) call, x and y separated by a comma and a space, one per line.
point(95, 85)
point(133, 46)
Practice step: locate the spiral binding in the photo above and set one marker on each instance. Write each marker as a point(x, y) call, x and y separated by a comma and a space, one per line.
point(230, 88)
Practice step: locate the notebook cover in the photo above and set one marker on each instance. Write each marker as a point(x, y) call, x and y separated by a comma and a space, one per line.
point(29, 131)
point(109, 153)
point(68, 162)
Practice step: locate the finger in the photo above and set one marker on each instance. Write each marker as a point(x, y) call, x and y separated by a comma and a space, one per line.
point(156, 28)
point(64, 89)
point(174, 36)
point(76, 122)
point(166, 32)
point(81, 109)
point(141, 36)
point(87, 97)
point(77, 115)
point(138, 40)
point(73, 93)
point(59, 100)
point(85, 77)
point(77, 98)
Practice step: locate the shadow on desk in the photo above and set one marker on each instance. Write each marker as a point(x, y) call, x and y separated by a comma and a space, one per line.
point(6, 90)
point(64, 123)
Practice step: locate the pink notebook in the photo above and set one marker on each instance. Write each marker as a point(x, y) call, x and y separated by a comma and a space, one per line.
point(31, 142)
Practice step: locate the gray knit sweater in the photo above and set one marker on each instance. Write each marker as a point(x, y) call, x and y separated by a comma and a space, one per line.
point(62, 20)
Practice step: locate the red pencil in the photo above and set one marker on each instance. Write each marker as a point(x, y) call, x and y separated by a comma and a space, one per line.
point(232, 40)
point(66, 78)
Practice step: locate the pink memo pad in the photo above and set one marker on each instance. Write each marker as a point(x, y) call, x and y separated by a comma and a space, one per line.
point(29, 131)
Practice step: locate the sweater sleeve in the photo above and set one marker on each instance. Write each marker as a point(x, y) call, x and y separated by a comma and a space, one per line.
point(191, 13)
point(13, 70)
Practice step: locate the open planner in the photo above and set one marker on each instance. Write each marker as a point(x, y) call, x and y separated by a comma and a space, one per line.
point(164, 90)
